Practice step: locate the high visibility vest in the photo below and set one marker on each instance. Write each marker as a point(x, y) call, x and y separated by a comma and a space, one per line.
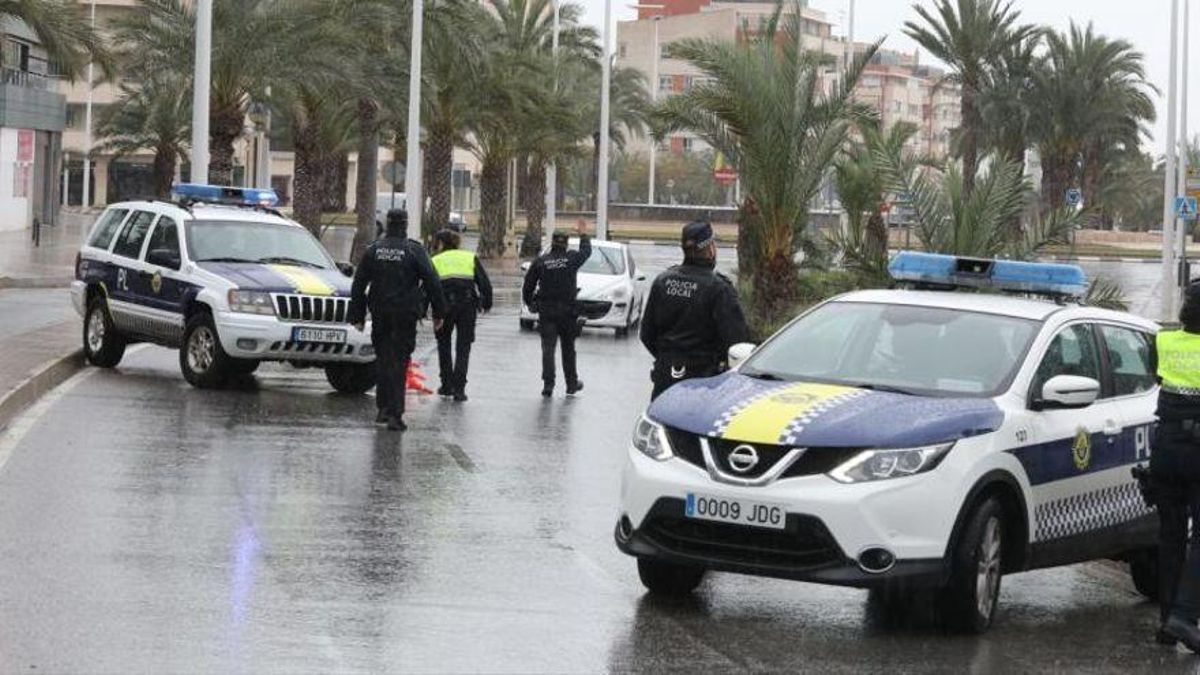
point(1179, 361)
point(455, 264)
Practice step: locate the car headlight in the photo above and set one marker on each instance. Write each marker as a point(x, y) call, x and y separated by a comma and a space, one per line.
point(650, 438)
point(251, 302)
point(871, 465)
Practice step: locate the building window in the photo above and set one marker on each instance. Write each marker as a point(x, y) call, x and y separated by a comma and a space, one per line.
point(688, 144)
point(621, 50)
point(664, 51)
point(666, 83)
point(897, 106)
point(913, 110)
point(16, 54)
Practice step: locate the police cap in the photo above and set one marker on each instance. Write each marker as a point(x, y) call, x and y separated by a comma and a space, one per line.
point(560, 238)
point(397, 222)
point(696, 235)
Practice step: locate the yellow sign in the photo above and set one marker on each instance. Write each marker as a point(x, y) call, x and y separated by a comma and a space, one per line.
point(156, 283)
point(1081, 450)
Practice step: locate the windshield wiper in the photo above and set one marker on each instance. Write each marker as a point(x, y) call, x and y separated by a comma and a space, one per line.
point(763, 375)
point(227, 260)
point(884, 388)
point(282, 259)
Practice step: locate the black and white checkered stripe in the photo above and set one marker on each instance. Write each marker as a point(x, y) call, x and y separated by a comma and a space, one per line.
point(791, 433)
point(726, 417)
point(1089, 511)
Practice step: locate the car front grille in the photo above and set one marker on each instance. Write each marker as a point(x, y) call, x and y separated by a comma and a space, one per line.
point(311, 308)
point(311, 348)
point(594, 309)
point(805, 543)
point(812, 462)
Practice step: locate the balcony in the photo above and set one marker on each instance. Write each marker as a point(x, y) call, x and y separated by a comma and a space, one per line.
point(25, 78)
point(31, 101)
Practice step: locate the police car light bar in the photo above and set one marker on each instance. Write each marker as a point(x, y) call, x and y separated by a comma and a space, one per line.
point(217, 194)
point(1003, 275)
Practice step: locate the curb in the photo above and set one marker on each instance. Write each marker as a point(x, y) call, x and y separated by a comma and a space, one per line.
point(35, 282)
point(45, 377)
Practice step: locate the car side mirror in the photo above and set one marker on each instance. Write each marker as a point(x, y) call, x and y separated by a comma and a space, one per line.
point(641, 276)
point(740, 352)
point(164, 257)
point(346, 268)
point(524, 267)
point(1068, 392)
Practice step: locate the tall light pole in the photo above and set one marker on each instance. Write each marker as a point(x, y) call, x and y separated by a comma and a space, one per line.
point(605, 85)
point(201, 89)
point(1182, 171)
point(1168, 281)
point(552, 169)
point(414, 201)
point(850, 38)
point(87, 124)
point(653, 94)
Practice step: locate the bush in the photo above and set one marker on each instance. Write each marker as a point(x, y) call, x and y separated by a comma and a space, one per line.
point(814, 286)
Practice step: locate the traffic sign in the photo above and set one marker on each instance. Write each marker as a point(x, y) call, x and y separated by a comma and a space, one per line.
point(1185, 208)
point(725, 175)
point(1074, 197)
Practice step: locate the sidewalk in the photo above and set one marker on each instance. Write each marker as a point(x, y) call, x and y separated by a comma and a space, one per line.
point(50, 265)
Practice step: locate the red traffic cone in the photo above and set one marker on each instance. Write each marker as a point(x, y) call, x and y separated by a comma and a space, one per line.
point(415, 379)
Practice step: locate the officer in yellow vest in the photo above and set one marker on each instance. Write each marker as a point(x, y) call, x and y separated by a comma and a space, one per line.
point(468, 291)
point(1175, 476)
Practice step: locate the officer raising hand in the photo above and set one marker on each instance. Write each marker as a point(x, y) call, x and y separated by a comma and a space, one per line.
point(388, 281)
point(693, 315)
point(550, 288)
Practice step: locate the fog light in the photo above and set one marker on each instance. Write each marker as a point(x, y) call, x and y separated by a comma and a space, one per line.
point(366, 350)
point(876, 560)
point(247, 344)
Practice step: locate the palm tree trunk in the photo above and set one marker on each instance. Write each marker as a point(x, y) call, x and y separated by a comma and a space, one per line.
point(335, 175)
point(876, 239)
point(164, 172)
point(970, 137)
point(306, 202)
point(535, 208)
point(439, 167)
point(225, 126)
point(493, 187)
point(368, 175)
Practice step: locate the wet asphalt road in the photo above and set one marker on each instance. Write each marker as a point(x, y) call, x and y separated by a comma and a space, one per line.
point(146, 526)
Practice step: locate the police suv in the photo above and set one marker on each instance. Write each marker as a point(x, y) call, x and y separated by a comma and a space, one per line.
point(915, 440)
point(224, 278)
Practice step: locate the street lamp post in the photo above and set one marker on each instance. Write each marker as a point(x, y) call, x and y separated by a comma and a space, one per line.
point(201, 86)
point(552, 169)
point(1181, 180)
point(1168, 279)
point(412, 166)
point(87, 126)
point(605, 84)
point(653, 93)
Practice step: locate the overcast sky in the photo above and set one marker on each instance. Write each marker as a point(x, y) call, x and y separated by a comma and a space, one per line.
point(1145, 23)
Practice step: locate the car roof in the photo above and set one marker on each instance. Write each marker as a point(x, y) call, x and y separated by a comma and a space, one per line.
point(1003, 305)
point(209, 212)
point(605, 243)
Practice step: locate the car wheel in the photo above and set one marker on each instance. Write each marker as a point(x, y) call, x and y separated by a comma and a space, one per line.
point(243, 366)
point(527, 324)
point(202, 359)
point(350, 378)
point(668, 579)
point(1143, 569)
point(969, 600)
point(103, 344)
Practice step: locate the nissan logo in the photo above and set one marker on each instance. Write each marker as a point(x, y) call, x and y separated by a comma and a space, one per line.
point(743, 458)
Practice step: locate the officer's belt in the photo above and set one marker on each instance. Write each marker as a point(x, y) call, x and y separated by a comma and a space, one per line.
point(1181, 391)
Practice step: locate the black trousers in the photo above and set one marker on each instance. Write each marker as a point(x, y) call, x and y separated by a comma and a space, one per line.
point(559, 324)
point(394, 336)
point(1175, 468)
point(669, 371)
point(454, 345)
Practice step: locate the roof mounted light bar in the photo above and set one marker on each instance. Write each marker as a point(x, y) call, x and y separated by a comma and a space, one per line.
point(937, 270)
point(217, 194)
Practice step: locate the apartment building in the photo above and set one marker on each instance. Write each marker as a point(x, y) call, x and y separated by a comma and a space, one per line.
point(902, 89)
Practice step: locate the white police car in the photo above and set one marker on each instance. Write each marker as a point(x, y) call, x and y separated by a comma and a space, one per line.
point(225, 279)
point(612, 291)
point(905, 441)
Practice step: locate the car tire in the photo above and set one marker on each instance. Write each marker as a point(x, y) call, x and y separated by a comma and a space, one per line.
point(1143, 570)
point(202, 359)
point(350, 378)
point(668, 579)
point(968, 602)
point(243, 366)
point(103, 344)
point(527, 324)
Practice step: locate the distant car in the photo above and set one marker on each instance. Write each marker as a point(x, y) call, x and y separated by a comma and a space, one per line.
point(386, 201)
point(224, 279)
point(612, 292)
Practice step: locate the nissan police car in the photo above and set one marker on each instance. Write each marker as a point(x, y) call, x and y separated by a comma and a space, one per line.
point(225, 279)
point(907, 441)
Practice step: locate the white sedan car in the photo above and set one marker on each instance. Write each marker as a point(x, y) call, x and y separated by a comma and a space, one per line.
point(612, 292)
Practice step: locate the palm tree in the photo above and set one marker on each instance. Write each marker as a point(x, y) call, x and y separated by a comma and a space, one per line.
point(969, 36)
point(764, 104)
point(150, 115)
point(63, 31)
point(1005, 103)
point(320, 122)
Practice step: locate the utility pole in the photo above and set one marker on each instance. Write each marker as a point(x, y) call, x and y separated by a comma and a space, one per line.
point(414, 198)
point(552, 169)
point(605, 84)
point(1183, 226)
point(201, 86)
point(87, 127)
point(850, 38)
point(1168, 281)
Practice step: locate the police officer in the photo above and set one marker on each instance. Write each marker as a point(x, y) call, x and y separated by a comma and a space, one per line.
point(693, 315)
point(388, 281)
point(550, 288)
point(468, 291)
point(1175, 475)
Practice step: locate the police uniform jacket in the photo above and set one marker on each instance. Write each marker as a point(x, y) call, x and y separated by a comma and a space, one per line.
point(1178, 357)
point(464, 281)
point(553, 279)
point(693, 313)
point(389, 279)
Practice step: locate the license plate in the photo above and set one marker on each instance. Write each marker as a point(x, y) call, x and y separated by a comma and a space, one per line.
point(327, 335)
point(737, 511)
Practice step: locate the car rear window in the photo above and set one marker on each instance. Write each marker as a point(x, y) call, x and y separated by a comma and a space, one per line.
point(106, 228)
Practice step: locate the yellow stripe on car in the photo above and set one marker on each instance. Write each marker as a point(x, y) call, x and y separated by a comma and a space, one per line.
point(767, 418)
point(304, 280)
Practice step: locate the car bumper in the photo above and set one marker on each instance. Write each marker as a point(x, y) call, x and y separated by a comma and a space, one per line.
point(251, 336)
point(828, 525)
point(79, 296)
point(615, 315)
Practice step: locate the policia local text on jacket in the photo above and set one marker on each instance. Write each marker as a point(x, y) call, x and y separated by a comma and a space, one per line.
point(389, 282)
point(468, 290)
point(693, 315)
point(550, 288)
point(1175, 475)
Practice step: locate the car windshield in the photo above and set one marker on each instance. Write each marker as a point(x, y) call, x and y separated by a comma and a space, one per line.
point(927, 351)
point(606, 260)
point(256, 242)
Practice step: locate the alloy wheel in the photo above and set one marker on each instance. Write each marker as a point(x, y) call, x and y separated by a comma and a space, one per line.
point(96, 330)
point(201, 348)
point(987, 578)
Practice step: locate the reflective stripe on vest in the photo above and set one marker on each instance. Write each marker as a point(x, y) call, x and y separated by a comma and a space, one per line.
point(1179, 360)
point(455, 264)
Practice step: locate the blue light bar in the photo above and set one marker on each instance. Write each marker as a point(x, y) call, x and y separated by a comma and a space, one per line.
point(1002, 275)
point(217, 194)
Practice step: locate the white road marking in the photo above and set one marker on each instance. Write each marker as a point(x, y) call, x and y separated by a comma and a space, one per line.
point(20, 427)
